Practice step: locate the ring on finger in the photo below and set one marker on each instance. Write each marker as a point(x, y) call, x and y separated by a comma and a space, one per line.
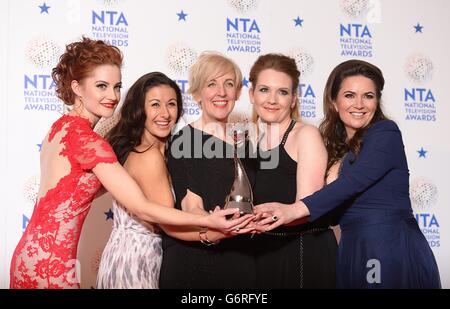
point(274, 218)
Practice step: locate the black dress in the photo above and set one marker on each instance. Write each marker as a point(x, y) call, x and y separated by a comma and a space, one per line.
point(185, 264)
point(300, 256)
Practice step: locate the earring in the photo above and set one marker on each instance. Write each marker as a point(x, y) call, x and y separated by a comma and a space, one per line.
point(78, 105)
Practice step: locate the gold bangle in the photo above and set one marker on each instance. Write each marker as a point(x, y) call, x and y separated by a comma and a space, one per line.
point(202, 234)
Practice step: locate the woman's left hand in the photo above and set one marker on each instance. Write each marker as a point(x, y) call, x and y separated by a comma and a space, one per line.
point(277, 214)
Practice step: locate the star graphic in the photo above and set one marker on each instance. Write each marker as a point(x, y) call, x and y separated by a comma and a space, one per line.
point(418, 28)
point(245, 82)
point(44, 8)
point(422, 153)
point(182, 16)
point(40, 146)
point(109, 215)
point(298, 21)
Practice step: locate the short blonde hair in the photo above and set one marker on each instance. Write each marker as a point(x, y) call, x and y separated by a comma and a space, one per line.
point(208, 65)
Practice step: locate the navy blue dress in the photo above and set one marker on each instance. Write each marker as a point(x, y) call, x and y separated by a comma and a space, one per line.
point(381, 244)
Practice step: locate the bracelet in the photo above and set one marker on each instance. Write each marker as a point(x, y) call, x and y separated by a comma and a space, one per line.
point(202, 234)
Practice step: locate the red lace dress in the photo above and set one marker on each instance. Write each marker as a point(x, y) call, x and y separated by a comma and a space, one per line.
point(46, 254)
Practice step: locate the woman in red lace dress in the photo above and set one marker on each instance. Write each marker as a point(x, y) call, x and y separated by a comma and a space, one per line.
point(75, 163)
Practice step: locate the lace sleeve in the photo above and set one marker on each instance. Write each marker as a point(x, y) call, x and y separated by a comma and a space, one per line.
point(91, 149)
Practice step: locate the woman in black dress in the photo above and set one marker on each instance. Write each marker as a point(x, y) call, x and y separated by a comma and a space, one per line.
point(200, 162)
point(381, 244)
point(293, 160)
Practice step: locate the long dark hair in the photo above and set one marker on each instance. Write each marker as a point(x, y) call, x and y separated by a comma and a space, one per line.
point(332, 128)
point(127, 133)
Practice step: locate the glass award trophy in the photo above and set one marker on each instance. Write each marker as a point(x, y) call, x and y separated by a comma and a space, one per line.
point(241, 195)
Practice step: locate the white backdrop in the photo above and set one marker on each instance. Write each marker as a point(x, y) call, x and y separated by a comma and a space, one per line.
point(407, 39)
point(3, 116)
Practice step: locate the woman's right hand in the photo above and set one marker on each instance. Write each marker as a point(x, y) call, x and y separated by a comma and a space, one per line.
point(246, 227)
point(217, 220)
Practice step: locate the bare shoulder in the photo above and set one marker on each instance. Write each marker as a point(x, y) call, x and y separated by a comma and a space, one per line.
point(304, 132)
point(151, 162)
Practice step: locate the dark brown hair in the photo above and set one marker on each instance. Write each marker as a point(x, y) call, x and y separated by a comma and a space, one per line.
point(127, 133)
point(332, 128)
point(280, 63)
point(78, 61)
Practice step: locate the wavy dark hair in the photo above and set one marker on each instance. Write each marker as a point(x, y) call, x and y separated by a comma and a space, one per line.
point(127, 133)
point(332, 128)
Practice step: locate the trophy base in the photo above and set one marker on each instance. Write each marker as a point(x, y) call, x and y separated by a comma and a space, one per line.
point(244, 207)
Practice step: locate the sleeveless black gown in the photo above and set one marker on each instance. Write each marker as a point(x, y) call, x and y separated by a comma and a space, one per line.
point(301, 256)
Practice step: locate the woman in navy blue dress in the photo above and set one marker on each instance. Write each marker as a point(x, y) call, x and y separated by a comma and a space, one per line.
point(381, 244)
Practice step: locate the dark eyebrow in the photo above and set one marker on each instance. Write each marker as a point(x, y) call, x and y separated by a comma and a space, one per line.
point(105, 82)
point(282, 88)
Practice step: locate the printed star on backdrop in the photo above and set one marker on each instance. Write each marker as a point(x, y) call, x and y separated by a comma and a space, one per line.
point(44, 8)
point(422, 153)
point(182, 16)
point(40, 146)
point(298, 21)
point(109, 215)
point(418, 28)
point(245, 82)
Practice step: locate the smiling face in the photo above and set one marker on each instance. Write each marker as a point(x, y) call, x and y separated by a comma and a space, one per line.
point(99, 93)
point(161, 110)
point(356, 103)
point(218, 97)
point(273, 97)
